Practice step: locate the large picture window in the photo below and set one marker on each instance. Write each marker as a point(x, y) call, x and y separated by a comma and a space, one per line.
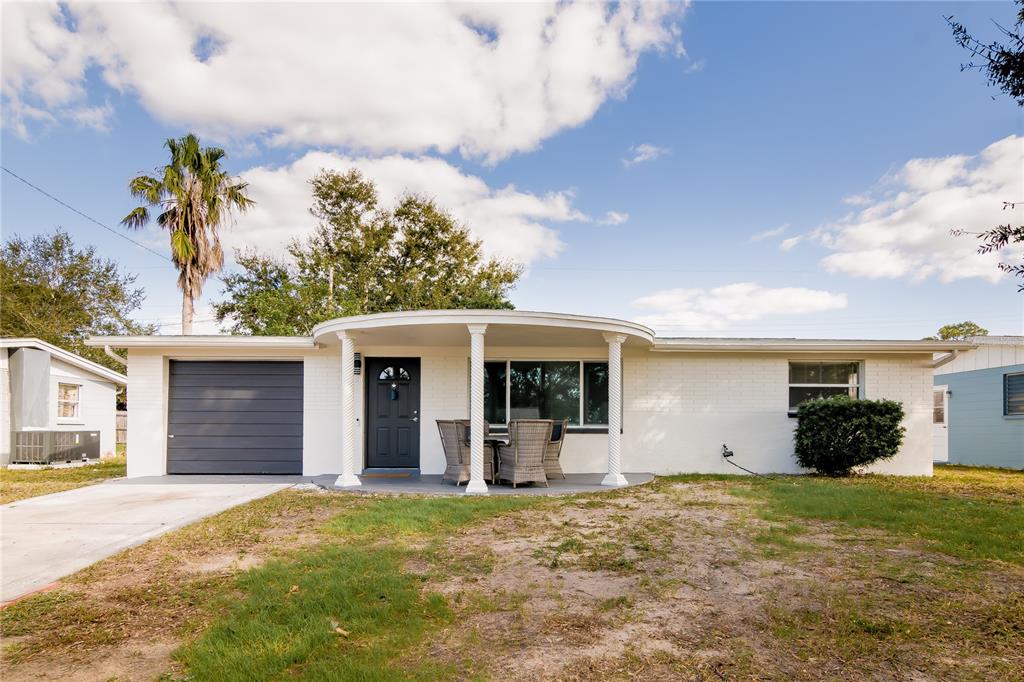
point(546, 389)
point(808, 380)
point(1013, 395)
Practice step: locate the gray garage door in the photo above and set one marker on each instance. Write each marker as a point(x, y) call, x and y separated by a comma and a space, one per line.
point(235, 418)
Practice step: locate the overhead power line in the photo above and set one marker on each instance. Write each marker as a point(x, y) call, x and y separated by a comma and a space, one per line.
point(84, 215)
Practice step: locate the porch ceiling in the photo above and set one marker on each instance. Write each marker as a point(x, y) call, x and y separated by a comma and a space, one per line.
point(504, 328)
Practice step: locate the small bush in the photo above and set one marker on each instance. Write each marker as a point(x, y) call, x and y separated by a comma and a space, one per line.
point(834, 435)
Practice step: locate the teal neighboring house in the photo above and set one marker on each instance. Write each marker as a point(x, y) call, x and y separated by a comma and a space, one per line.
point(978, 416)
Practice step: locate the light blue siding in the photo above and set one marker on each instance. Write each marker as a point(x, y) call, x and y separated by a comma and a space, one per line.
point(979, 432)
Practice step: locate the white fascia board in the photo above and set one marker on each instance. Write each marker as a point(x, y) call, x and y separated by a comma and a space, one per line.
point(68, 357)
point(806, 346)
point(212, 341)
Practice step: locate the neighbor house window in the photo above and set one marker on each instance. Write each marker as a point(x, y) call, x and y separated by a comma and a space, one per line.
point(808, 380)
point(67, 400)
point(939, 406)
point(1013, 394)
point(546, 389)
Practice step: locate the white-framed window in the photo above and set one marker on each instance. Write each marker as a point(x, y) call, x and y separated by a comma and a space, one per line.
point(1013, 394)
point(68, 400)
point(821, 379)
point(939, 406)
point(576, 390)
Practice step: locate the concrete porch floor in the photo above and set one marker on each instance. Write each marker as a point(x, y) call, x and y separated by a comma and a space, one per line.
point(430, 484)
point(413, 484)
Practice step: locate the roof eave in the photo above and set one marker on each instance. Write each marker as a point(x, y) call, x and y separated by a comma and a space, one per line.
point(68, 357)
point(810, 346)
point(213, 341)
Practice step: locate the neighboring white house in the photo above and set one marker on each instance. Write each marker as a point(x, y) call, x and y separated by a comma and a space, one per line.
point(45, 390)
point(979, 404)
point(364, 392)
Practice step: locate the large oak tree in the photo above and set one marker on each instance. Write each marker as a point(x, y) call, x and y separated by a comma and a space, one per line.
point(363, 258)
point(62, 294)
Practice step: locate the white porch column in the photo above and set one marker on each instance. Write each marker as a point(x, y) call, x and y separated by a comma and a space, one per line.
point(348, 476)
point(614, 476)
point(476, 485)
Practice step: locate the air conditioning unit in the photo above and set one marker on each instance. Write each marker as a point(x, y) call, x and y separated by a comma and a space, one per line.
point(54, 447)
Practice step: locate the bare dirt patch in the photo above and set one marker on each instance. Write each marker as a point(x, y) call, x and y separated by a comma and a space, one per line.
point(686, 580)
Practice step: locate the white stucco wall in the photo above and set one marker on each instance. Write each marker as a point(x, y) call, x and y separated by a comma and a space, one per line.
point(679, 408)
point(5, 408)
point(97, 404)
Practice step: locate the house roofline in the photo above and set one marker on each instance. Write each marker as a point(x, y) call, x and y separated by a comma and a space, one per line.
point(66, 356)
point(807, 345)
point(637, 331)
point(203, 341)
point(489, 317)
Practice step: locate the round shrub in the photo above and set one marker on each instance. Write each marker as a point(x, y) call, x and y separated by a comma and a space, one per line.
point(836, 434)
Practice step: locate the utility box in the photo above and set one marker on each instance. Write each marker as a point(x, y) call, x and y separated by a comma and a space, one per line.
point(54, 447)
point(30, 389)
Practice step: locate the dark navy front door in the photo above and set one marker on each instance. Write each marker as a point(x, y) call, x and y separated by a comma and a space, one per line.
point(392, 412)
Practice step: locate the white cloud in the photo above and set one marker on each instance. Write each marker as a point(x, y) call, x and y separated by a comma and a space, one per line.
point(641, 153)
point(695, 67)
point(486, 79)
point(774, 232)
point(613, 218)
point(699, 310)
point(857, 199)
point(511, 223)
point(788, 244)
point(97, 118)
point(903, 227)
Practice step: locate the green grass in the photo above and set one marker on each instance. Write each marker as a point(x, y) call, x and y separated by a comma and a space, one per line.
point(20, 484)
point(347, 609)
point(944, 512)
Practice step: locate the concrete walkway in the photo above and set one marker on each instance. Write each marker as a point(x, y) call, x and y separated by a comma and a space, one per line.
point(43, 539)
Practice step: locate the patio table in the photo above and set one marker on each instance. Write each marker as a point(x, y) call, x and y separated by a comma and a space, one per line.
point(495, 443)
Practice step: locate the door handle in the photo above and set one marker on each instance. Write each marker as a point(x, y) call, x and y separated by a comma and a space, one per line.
point(415, 419)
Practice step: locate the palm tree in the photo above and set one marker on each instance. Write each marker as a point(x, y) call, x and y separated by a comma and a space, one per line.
point(195, 197)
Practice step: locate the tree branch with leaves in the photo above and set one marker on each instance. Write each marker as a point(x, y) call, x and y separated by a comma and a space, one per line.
point(1002, 61)
point(363, 258)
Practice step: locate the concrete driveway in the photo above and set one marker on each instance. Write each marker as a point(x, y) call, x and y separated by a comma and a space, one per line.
point(43, 539)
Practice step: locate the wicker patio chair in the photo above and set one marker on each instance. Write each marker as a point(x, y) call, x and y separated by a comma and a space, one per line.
point(522, 459)
point(455, 441)
point(552, 467)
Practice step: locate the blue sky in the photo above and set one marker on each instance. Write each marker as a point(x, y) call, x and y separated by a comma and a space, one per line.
point(845, 128)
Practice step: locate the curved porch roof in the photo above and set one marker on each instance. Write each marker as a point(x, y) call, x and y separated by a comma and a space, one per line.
point(504, 328)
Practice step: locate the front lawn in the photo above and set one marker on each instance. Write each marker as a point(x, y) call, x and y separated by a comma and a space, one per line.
point(690, 577)
point(971, 513)
point(19, 484)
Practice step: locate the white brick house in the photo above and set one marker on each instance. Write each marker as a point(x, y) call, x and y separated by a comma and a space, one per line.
point(636, 402)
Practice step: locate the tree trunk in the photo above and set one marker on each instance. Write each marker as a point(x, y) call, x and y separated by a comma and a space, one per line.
point(186, 314)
